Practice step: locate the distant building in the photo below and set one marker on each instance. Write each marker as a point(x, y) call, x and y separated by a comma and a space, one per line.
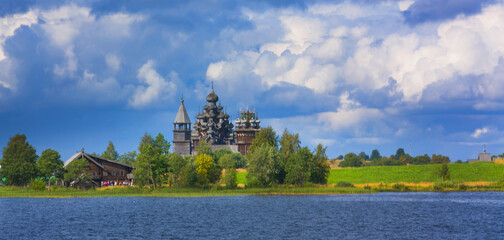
point(213, 126)
point(483, 157)
point(102, 169)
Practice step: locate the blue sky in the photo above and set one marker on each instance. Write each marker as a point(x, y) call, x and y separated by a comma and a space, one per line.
point(352, 75)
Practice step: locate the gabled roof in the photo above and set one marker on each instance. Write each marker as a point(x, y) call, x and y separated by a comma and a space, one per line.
point(182, 116)
point(93, 159)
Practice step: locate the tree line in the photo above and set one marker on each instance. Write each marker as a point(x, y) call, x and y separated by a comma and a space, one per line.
point(398, 159)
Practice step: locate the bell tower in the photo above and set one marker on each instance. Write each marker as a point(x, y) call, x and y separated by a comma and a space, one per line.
point(182, 131)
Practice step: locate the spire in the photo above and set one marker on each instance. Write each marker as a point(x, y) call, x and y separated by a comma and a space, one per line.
point(182, 116)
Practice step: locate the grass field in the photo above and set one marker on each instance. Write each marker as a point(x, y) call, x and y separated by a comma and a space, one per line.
point(174, 192)
point(463, 172)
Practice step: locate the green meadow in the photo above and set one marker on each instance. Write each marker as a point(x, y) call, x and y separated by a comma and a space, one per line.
point(460, 172)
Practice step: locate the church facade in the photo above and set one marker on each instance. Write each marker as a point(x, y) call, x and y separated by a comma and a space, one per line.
point(214, 126)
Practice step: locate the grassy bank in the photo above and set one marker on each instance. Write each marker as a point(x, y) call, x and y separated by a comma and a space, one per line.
point(174, 192)
point(460, 172)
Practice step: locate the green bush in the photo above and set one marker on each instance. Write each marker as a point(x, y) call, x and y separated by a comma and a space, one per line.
point(38, 185)
point(400, 187)
point(344, 184)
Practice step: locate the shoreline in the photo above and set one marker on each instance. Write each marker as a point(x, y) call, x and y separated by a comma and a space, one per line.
point(56, 192)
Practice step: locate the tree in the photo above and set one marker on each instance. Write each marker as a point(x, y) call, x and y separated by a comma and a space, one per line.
point(203, 148)
point(351, 160)
point(263, 166)
point(241, 161)
point(176, 165)
point(229, 164)
point(151, 164)
point(406, 158)
point(363, 156)
point(440, 159)
point(264, 136)
point(18, 161)
point(204, 169)
point(375, 154)
point(128, 158)
point(110, 153)
point(399, 153)
point(50, 165)
point(218, 153)
point(289, 145)
point(319, 169)
point(77, 171)
point(298, 166)
point(444, 172)
point(340, 157)
point(187, 176)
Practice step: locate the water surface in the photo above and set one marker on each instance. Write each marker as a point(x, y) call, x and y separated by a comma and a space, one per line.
point(365, 216)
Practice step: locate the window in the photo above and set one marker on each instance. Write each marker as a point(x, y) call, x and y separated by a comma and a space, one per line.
point(122, 173)
point(113, 173)
point(105, 173)
point(94, 174)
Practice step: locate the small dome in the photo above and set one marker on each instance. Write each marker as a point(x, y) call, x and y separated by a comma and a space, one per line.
point(212, 97)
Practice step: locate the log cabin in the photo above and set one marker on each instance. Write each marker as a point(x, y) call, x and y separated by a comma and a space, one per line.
point(102, 169)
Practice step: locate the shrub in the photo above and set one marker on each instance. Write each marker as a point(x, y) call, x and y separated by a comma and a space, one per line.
point(400, 187)
point(38, 185)
point(344, 184)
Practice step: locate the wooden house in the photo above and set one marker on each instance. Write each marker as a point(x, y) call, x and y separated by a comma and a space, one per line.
point(102, 169)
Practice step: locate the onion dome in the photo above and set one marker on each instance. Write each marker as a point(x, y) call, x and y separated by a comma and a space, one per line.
point(212, 97)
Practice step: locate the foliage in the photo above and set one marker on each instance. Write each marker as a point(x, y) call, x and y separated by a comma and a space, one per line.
point(231, 179)
point(263, 166)
point(110, 153)
point(344, 184)
point(440, 159)
point(297, 167)
point(340, 157)
point(444, 172)
point(205, 169)
point(128, 158)
point(49, 164)
point(203, 148)
point(351, 160)
point(399, 153)
point(419, 160)
point(375, 154)
point(188, 176)
point(77, 171)
point(240, 160)
point(176, 165)
point(363, 156)
point(151, 165)
point(227, 161)
point(319, 169)
point(38, 184)
point(18, 161)
point(264, 136)
point(218, 153)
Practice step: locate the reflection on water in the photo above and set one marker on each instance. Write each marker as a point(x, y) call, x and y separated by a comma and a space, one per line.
point(368, 216)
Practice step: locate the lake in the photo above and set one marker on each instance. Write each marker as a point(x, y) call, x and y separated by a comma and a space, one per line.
point(466, 215)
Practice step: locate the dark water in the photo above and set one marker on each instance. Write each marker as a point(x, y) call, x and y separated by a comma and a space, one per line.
point(371, 216)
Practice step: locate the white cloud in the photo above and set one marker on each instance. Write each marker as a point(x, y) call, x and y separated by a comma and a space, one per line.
point(8, 25)
point(157, 87)
point(479, 131)
point(320, 51)
point(404, 5)
point(345, 9)
point(113, 62)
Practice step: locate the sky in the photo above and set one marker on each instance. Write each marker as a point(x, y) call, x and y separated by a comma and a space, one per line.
point(426, 76)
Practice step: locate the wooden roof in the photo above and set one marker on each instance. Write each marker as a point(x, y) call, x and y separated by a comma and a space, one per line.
point(94, 159)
